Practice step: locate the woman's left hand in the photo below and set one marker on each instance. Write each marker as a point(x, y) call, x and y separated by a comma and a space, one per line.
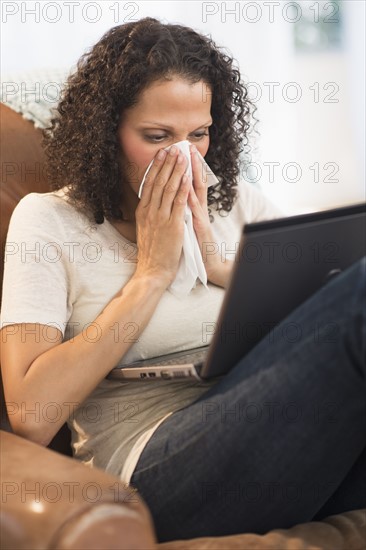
point(217, 268)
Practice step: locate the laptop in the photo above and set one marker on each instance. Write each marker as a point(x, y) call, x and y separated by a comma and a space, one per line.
point(279, 264)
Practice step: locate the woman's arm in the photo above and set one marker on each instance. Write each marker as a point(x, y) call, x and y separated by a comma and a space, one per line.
point(221, 275)
point(45, 379)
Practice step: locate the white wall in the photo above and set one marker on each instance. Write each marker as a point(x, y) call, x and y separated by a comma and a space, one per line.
point(295, 135)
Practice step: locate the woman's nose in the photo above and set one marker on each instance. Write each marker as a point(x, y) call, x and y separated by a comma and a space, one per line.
point(181, 138)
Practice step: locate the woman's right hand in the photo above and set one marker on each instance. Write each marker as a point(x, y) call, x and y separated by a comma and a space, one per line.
point(160, 217)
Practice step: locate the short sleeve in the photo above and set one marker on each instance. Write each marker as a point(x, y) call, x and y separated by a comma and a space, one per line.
point(36, 270)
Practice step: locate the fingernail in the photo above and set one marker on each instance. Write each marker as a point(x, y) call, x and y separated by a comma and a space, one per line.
point(161, 154)
point(193, 149)
point(173, 150)
point(180, 158)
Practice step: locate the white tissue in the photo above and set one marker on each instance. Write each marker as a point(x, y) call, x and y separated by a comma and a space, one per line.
point(191, 266)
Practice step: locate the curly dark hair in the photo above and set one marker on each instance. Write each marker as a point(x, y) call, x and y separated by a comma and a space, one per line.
point(81, 144)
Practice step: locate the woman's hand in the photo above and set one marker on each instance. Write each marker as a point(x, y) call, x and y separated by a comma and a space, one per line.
point(160, 217)
point(217, 268)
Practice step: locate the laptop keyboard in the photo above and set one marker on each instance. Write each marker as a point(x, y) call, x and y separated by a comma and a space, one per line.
point(179, 358)
point(195, 357)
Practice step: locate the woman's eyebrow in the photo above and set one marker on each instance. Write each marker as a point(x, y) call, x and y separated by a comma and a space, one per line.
point(208, 123)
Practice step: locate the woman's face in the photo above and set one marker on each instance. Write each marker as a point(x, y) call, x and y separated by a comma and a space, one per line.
point(167, 112)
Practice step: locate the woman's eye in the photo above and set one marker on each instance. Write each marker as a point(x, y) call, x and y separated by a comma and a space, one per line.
point(155, 139)
point(159, 138)
point(200, 135)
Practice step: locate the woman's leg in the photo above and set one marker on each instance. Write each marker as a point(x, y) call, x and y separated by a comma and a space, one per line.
point(272, 441)
point(350, 495)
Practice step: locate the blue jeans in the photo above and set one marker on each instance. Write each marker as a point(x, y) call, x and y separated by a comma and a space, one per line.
point(279, 440)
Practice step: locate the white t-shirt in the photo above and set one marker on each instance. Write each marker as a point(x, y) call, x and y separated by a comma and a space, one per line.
point(62, 270)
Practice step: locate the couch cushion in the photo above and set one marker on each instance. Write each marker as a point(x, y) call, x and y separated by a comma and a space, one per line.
point(34, 94)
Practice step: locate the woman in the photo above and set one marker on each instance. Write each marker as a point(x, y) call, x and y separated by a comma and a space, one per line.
point(90, 288)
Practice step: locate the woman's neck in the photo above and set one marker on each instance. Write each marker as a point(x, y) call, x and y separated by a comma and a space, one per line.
point(126, 228)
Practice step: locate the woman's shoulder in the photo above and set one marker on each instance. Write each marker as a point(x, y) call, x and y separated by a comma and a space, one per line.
point(44, 212)
point(50, 204)
point(35, 202)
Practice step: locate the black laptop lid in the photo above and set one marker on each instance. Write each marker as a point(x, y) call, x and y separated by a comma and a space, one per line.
point(280, 263)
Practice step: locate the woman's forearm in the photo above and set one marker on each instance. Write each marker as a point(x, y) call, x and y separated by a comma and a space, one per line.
point(67, 373)
point(222, 273)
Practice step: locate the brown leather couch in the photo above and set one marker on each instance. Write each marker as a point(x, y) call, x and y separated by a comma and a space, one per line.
point(51, 501)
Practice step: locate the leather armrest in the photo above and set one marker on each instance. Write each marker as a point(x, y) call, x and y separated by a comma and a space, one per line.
point(345, 531)
point(22, 166)
point(50, 501)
